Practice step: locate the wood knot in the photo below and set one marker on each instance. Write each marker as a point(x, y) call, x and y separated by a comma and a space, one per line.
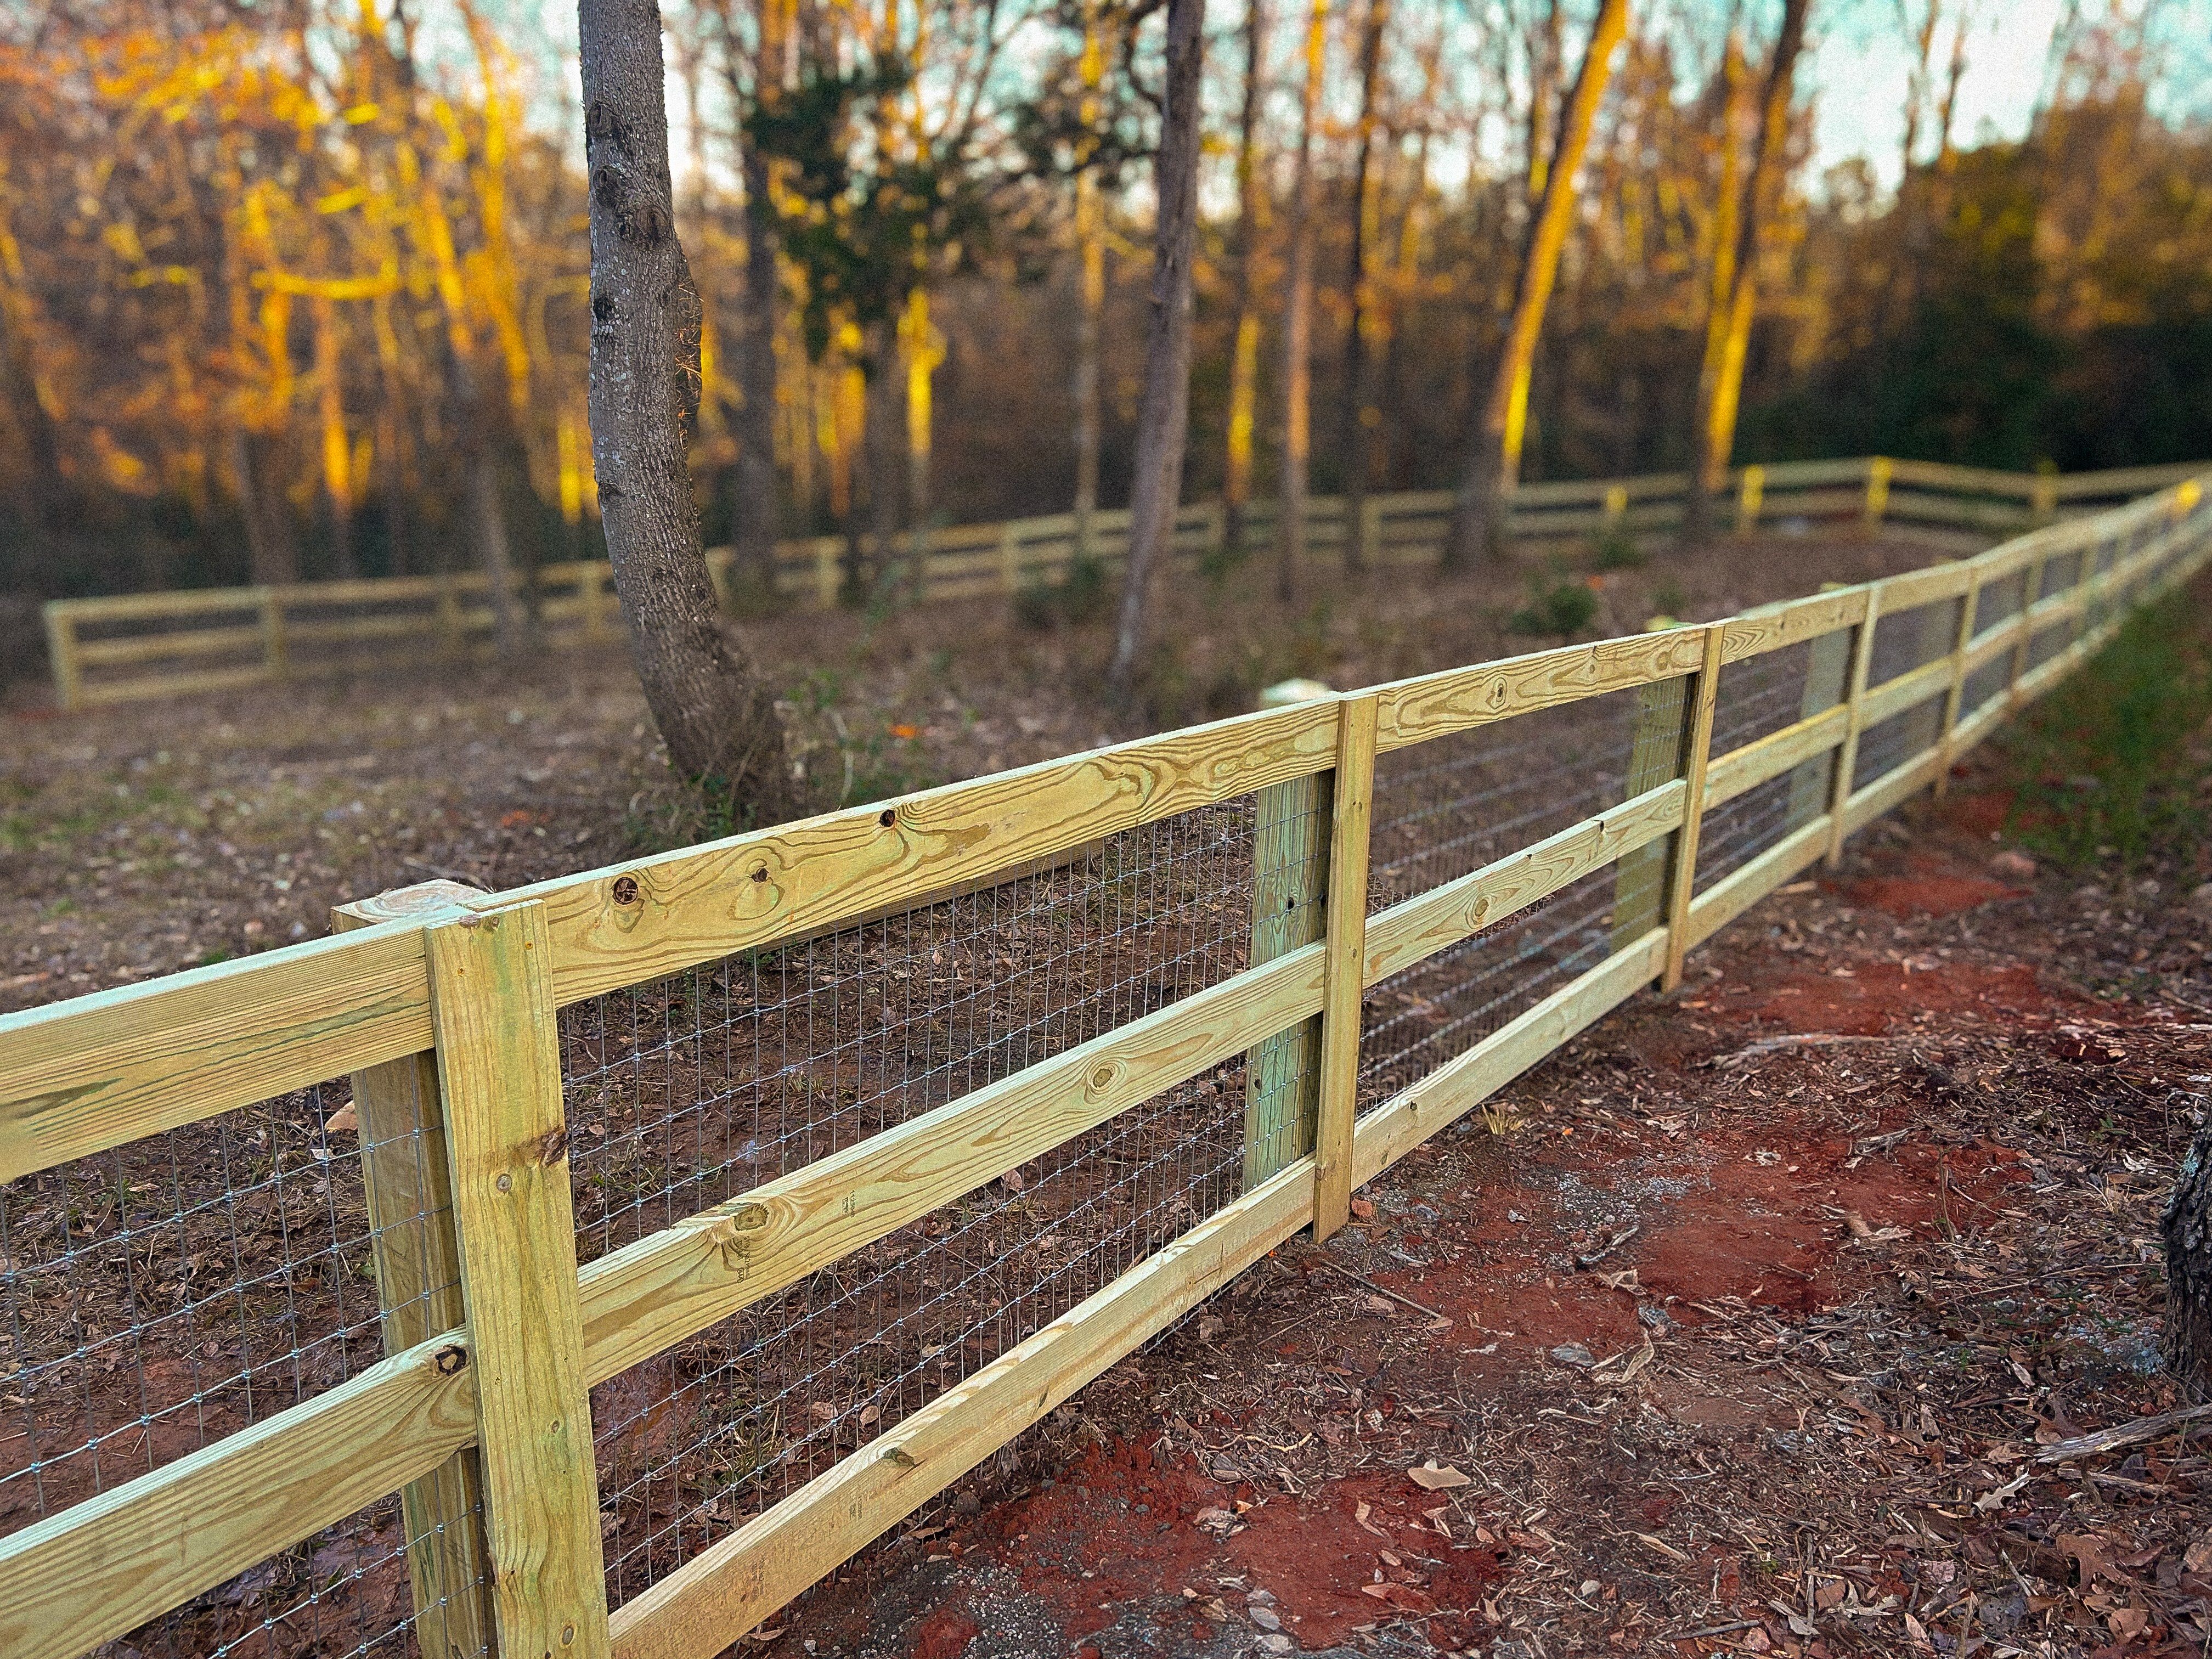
point(450, 1359)
point(555, 1146)
point(647, 224)
point(625, 890)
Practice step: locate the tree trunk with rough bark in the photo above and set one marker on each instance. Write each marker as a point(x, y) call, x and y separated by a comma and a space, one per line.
point(1298, 326)
point(754, 517)
point(1720, 379)
point(1362, 417)
point(1163, 413)
point(2187, 1228)
point(1245, 332)
point(1493, 461)
point(718, 720)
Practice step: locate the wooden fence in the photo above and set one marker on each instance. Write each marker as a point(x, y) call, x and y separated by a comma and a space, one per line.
point(153, 645)
point(447, 1003)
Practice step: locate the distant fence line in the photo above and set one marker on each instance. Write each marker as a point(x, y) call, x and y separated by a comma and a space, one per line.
point(588, 1269)
point(137, 646)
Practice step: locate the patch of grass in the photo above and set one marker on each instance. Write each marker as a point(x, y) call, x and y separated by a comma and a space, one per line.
point(2115, 766)
point(1081, 595)
point(1616, 550)
point(1563, 607)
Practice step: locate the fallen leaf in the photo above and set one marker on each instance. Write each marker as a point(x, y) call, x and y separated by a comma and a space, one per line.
point(1429, 1478)
point(1363, 1209)
point(344, 1118)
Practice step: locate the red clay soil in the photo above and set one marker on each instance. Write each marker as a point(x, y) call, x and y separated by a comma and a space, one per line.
point(1637, 1327)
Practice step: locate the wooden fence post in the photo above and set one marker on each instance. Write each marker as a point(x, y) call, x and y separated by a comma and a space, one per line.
point(1827, 681)
point(825, 572)
point(1847, 756)
point(61, 655)
point(1963, 638)
point(1352, 793)
point(1749, 497)
point(408, 1189)
point(449, 615)
point(1698, 750)
point(1009, 559)
point(1290, 871)
point(2043, 497)
point(274, 653)
point(2031, 589)
point(1616, 505)
point(1877, 490)
point(1655, 754)
point(506, 1139)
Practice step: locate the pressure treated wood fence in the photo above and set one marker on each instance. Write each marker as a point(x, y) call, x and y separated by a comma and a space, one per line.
point(477, 1137)
point(151, 645)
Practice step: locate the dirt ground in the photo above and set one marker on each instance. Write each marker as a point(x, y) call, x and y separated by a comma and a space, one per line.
point(139, 840)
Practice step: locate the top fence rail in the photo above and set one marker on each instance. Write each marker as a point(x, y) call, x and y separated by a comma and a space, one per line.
point(589, 1268)
point(138, 646)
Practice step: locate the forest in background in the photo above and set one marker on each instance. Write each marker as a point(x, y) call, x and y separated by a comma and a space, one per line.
point(298, 291)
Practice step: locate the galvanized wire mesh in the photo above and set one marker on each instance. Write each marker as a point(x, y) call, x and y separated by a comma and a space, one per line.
point(1999, 601)
point(1438, 1010)
point(694, 1088)
point(344, 1593)
point(1906, 639)
point(697, 1440)
point(1447, 808)
point(1757, 697)
point(181, 1287)
point(688, 1090)
point(161, 1297)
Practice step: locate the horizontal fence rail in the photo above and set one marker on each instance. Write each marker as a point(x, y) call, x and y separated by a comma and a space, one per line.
point(152, 645)
point(588, 1269)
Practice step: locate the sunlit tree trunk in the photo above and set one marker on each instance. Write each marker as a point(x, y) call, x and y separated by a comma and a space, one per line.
point(1493, 464)
point(1244, 333)
point(1091, 302)
point(1297, 324)
point(1362, 418)
point(1164, 412)
point(1720, 288)
point(337, 448)
point(1720, 380)
point(921, 350)
point(718, 720)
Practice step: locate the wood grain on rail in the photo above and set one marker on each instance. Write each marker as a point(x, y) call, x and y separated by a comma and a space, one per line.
point(81, 1077)
point(632, 922)
point(1435, 705)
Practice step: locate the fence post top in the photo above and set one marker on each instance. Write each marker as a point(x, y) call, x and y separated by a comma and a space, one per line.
point(423, 898)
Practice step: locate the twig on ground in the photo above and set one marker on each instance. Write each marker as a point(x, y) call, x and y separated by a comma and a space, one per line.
point(2121, 1434)
point(1380, 1290)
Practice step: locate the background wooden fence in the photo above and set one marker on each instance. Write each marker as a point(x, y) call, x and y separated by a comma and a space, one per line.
point(496, 1452)
point(152, 645)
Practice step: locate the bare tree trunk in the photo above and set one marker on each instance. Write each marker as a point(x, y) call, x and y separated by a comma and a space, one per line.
point(1720, 382)
point(1297, 325)
point(2187, 1228)
point(719, 721)
point(1090, 260)
point(1362, 417)
point(1244, 335)
point(754, 519)
point(1163, 413)
point(1720, 290)
point(1493, 463)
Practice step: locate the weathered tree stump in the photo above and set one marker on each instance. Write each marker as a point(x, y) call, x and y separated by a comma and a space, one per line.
point(2187, 1226)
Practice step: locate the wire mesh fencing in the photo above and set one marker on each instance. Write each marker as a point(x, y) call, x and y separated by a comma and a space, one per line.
point(692, 1090)
point(1448, 807)
point(162, 1297)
